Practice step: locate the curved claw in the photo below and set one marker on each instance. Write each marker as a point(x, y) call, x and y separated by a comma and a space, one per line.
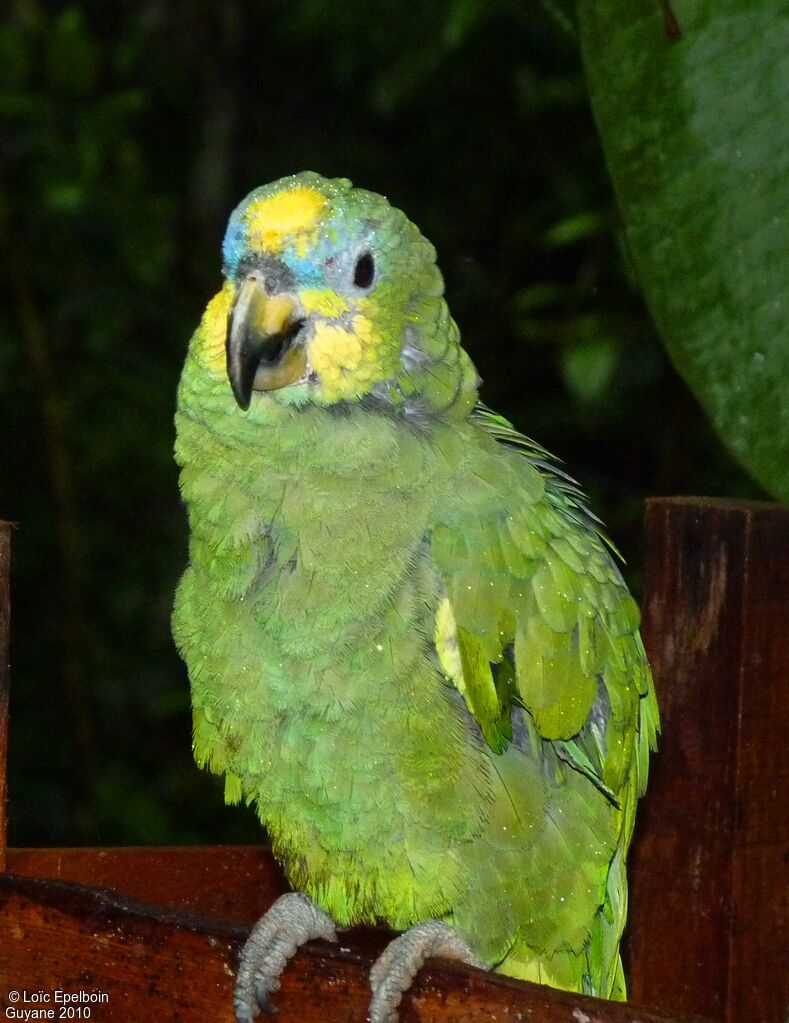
point(263, 1001)
point(394, 970)
point(293, 920)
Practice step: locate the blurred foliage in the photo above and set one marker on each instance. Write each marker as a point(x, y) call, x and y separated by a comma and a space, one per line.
point(129, 133)
point(696, 134)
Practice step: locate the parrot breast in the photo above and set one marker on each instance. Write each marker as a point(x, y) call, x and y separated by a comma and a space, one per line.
point(315, 694)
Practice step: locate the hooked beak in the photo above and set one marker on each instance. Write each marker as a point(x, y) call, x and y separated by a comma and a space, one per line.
point(264, 350)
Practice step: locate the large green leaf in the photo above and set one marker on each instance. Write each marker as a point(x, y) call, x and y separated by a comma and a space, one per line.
point(694, 119)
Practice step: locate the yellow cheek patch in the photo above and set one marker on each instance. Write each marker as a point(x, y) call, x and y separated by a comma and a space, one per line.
point(324, 302)
point(345, 360)
point(212, 332)
point(288, 215)
point(334, 350)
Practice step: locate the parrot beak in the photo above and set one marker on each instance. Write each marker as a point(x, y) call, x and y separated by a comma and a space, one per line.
point(262, 344)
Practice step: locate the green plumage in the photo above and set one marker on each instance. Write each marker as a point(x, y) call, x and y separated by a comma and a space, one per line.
point(408, 642)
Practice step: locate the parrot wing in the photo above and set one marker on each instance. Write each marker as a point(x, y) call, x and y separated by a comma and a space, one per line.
point(536, 614)
point(537, 630)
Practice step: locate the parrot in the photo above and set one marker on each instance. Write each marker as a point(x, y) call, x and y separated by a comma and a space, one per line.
point(409, 643)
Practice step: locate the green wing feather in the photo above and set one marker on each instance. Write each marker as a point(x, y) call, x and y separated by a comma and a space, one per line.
point(536, 615)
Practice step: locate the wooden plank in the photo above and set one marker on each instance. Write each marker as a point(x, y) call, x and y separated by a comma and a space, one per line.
point(236, 883)
point(759, 966)
point(5, 621)
point(163, 965)
point(709, 868)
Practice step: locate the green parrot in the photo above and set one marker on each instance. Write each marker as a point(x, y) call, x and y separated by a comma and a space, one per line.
point(408, 641)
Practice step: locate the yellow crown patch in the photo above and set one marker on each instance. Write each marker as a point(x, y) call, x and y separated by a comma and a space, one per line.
point(292, 214)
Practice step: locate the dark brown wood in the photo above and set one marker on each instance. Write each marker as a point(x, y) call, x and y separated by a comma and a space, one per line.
point(162, 965)
point(5, 621)
point(236, 882)
point(709, 918)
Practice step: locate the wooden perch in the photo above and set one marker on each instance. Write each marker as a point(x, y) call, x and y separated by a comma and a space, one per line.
point(154, 964)
point(709, 920)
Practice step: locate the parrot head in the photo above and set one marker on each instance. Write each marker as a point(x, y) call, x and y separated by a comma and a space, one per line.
point(331, 295)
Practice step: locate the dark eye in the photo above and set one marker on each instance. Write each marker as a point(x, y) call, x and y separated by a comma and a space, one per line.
point(364, 271)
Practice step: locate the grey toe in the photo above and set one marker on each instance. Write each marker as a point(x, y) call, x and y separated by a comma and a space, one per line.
point(293, 920)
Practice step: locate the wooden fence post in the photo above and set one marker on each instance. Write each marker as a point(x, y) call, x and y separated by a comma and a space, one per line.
point(709, 928)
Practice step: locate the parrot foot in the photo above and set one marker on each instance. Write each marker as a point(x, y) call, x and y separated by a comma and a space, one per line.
point(394, 970)
point(293, 920)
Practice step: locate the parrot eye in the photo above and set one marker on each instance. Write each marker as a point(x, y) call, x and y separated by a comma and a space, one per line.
point(364, 271)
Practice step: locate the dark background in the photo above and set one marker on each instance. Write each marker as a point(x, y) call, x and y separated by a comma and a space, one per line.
point(127, 137)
